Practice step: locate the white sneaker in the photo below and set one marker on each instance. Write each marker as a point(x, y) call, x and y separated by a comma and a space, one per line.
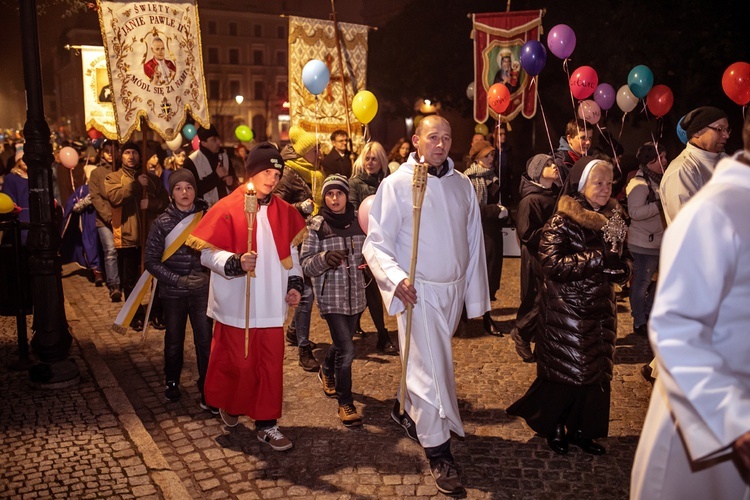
point(274, 438)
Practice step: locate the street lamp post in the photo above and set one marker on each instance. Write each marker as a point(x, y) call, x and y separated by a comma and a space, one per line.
point(51, 336)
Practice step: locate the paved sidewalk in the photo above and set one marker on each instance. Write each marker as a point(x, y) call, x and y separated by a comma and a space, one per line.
point(114, 435)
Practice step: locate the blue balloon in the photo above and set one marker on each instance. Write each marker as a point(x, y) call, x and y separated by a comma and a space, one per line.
point(681, 132)
point(189, 131)
point(640, 81)
point(315, 76)
point(533, 57)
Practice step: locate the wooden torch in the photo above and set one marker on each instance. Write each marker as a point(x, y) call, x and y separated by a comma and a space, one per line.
point(251, 208)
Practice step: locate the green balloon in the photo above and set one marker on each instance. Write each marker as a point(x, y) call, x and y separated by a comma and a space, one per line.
point(244, 133)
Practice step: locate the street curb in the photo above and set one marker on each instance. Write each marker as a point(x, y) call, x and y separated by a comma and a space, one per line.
point(158, 468)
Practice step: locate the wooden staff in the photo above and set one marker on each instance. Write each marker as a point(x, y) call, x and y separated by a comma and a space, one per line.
point(251, 207)
point(418, 188)
point(347, 104)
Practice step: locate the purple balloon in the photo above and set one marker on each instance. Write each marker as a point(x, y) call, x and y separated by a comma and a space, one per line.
point(605, 95)
point(533, 57)
point(561, 41)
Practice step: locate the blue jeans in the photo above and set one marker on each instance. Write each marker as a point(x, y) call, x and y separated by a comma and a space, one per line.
point(644, 267)
point(301, 319)
point(341, 354)
point(107, 239)
point(176, 313)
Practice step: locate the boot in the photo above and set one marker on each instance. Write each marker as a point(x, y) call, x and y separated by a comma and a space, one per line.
point(558, 441)
point(98, 278)
point(306, 359)
point(586, 444)
point(385, 345)
point(115, 294)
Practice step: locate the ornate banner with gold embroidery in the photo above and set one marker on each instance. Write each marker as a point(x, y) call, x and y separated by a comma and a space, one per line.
point(155, 64)
point(498, 38)
point(97, 92)
point(316, 39)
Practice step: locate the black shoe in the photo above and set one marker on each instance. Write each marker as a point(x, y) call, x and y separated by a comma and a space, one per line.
point(291, 337)
point(558, 441)
point(306, 359)
point(98, 278)
point(156, 324)
point(172, 392)
point(490, 326)
point(587, 444)
point(447, 480)
point(405, 421)
point(359, 332)
point(647, 373)
point(205, 406)
point(523, 348)
point(137, 325)
point(385, 346)
point(115, 294)
point(641, 330)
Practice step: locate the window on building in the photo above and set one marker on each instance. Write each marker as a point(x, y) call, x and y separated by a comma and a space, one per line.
point(280, 32)
point(213, 89)
point(213, 55)
point(234, 88)
point(233, 29)
point(258, 89)
point(258, 57)
point(257, 30)
point(281, 89)
point(234, 56)
point(212, 27)
point(281, 58)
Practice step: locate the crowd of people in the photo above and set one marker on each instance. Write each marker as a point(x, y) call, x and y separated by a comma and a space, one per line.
point(235, 241)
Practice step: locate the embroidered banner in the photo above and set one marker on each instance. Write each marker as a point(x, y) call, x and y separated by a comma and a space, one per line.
point(155, 65)
point(498, 38)
point(316, 39)
point(97, 92)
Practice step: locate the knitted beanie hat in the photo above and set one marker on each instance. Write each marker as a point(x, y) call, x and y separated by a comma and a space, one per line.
point(181, 175)
point(205, 133)
point(262, 157)
point(535, 166)
point(302, 140)
point(336, 181)
point(700, 118)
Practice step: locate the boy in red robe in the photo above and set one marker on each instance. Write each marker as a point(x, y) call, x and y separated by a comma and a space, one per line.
point(252, 385)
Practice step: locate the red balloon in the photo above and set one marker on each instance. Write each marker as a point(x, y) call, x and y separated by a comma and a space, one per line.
point(94, 134)
point(498, 97)
point(583, 82)
point(363, 212)
point(659, 100)
point(736, 82)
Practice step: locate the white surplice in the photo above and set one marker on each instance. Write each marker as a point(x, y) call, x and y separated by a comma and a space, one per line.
point(451, 270)
point(700, 332)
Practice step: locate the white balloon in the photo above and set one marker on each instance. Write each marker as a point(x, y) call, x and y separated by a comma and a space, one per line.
point(470, 91)
point(626, 101)
point(175, 143)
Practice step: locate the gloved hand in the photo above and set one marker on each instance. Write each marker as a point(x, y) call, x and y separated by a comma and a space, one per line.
point(82, 204)
point(307, 206)
point(617, 270)
point(334, 258)
point(193, 281)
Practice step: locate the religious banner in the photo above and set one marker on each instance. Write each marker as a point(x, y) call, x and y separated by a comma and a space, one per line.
point(98, 111)
point(155, 65)
point(498, 38)
point(316, 39)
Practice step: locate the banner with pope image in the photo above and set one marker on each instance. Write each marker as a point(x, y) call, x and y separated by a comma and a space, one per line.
point(316, 39)
point(98, 111)
point(155, 65)
point(498, 39)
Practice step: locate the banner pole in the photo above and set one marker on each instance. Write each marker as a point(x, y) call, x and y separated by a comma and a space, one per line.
point(341, 71)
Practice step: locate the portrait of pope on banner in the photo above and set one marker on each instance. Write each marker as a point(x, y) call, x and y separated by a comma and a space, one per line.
point(159, 69)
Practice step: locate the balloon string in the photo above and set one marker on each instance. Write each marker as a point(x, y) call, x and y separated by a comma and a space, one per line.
point(608, 139)
point(544, 117)
point(655, 142)
point(622, 126)
point(572, 101)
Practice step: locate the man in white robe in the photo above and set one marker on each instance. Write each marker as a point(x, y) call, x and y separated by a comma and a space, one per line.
point(451, 271)
point(696, 438)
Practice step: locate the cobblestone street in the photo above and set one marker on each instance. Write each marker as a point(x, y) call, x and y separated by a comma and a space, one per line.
point(114, 435)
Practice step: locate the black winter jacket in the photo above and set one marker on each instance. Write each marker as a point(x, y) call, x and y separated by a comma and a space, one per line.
point(579, 309)
point(363, 185)
point(181, 263)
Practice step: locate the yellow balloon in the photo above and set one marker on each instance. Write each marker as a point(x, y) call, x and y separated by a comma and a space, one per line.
point(365, 106)
point(481, 128)
point(6, 204)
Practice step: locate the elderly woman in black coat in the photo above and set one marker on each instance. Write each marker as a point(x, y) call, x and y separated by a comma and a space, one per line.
point(580, 252)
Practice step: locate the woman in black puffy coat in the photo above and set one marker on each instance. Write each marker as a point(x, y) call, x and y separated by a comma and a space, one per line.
point(569, 400)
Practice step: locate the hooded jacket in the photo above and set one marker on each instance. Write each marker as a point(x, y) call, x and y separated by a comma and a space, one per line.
point(579, 309)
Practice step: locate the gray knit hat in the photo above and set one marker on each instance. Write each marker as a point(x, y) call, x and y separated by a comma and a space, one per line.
point(336, 181)
point(535, 166)
point(181, 175)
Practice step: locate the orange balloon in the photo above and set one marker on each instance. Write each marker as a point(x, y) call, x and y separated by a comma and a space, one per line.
point(498, 98)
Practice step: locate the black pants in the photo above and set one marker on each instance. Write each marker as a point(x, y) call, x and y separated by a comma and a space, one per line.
point(129, 268)
point(527, 317)
point(440, 452)
point(176, 313)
